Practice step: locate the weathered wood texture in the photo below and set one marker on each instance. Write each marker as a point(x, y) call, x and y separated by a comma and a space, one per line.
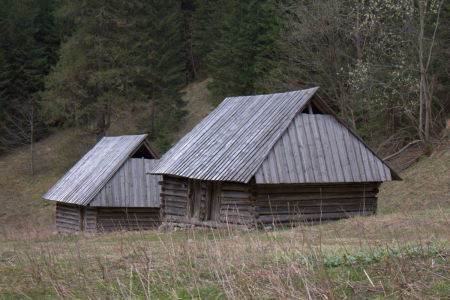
point(68, 218)
point(89, 219)
point(210, 204)
point(174, 196)
point(232, 142)
point(76, 218)
point(316, 148)
point(262, 205)
point(114, 219)
point(291, 204)
point(236, 206)
point(131, 186)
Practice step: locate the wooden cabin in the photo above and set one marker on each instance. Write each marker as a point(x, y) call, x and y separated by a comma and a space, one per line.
point(269, 160)
point(109, 189)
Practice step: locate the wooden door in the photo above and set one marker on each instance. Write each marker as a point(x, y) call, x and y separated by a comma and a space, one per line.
point(213, 201)
point(194, 199)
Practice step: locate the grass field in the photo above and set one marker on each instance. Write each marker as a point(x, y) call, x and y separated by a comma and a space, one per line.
point(401, 253)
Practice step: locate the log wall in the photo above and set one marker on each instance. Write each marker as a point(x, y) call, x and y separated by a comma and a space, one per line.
point(174, 198)
point(131, 218)
point(262, 205)
point(68, 218)
point(236, 205)
point(289, 204)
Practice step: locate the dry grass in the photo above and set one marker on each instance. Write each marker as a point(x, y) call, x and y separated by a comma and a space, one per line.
point(199, 103)
point(195, 263)
point(22, 208)
point(425, 185)
point(401, 253)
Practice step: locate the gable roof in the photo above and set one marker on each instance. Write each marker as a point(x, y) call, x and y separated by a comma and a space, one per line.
point(316, 148)
point(88, 176)
point(232, 142)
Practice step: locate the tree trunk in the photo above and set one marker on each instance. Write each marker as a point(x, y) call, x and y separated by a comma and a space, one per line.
point(102, 108)
point(422, 84)
point(32, 139)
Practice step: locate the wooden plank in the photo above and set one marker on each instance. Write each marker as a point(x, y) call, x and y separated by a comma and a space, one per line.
point(343, 154)
point(332, 174)
point(296, 156)
point(341, 176)
point(317, 140)
point(304, 150)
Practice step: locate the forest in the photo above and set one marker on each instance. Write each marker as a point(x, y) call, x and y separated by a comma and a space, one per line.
point(383, 66)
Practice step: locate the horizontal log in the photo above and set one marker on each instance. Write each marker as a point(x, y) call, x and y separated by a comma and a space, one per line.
point(234, 195)
point(316, 189)
point(312, 196)
point(68, 212)
point(172, 218)
point(68, 221)
point(308, 217)
point(176, 187)
point(235, 187)
point(236, 220)
point(175, 204)
point(175, 211)
point(66, 230)
point(327, 202)
point(174, 198)
point(66, 216)
point(278, 189)
point(228, 201)
point(313, 209)
point(233, 213)
point(174, 180)
point(174, 194)
point(127, 209)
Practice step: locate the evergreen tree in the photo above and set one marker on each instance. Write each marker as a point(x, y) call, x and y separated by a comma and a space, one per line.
point(93, 71)
point(27, 51)
point(160, 66)
point(120, 52)
point(246, 50)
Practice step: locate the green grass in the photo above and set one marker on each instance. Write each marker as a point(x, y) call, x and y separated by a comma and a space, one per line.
point(400, 253)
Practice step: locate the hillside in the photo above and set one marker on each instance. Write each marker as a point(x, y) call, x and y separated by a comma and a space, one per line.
point(23, 209)
point(400, 253)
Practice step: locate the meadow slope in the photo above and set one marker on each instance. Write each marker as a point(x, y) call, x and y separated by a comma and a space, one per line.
point(401, 252)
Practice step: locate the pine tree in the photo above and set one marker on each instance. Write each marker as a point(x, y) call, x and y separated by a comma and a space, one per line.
point(160, 66)
point(92, 71)
point(245, 50)
point(27, 51)
point(120, 53)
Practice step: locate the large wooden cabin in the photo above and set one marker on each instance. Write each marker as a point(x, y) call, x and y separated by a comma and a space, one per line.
point(269, 160)
point(109, 188)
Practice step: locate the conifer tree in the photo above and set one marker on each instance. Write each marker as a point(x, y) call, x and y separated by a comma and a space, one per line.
point(28, 46)
point(245, 50)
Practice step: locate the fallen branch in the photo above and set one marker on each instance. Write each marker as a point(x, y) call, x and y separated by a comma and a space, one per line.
point(401, 150)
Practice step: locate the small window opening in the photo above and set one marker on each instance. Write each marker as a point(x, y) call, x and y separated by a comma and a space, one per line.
point(143, 152)
point(312, 109)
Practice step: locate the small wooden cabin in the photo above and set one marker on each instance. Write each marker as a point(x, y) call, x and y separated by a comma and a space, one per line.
point(270, 159)
point(109, 188)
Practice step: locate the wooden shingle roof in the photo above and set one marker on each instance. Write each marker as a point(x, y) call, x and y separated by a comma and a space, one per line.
point(316, 148)
point(233, 143)
point(88, 176)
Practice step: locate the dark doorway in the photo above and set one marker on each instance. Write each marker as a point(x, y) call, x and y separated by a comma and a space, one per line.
point(194, 199)
point(213, 201)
